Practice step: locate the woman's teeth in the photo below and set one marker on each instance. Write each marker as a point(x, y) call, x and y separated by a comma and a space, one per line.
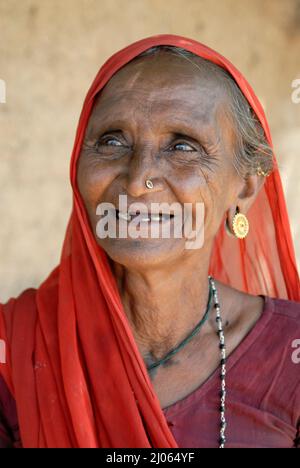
point(144, 218)
point(125, 216)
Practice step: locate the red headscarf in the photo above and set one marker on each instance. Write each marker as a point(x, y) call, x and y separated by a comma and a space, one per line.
point(72, 363)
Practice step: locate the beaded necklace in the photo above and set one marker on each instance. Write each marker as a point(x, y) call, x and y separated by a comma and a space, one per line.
point(212, 294)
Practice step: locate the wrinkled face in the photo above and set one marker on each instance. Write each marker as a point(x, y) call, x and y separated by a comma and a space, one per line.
point(159, 117)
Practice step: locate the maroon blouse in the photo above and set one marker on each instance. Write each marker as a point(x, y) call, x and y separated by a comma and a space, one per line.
point(263, 392)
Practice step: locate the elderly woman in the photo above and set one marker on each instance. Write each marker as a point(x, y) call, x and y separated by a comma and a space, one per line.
point(148, 340)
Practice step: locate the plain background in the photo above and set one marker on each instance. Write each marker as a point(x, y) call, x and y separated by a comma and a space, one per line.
point(50, 51)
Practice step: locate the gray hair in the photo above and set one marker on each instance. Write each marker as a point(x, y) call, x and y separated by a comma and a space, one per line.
point(252, 151)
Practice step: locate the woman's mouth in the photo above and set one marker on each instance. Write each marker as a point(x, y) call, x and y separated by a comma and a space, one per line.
point(145, 217)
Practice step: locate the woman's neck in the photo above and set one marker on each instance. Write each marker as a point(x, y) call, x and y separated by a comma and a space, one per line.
point(162, 305)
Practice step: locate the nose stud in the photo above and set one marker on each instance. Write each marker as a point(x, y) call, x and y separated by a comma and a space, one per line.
point(149, 184)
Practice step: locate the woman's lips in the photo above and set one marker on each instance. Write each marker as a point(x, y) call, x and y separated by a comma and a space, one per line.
point(123, 225)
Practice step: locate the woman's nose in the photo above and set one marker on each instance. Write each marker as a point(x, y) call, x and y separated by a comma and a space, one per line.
point(140, 170)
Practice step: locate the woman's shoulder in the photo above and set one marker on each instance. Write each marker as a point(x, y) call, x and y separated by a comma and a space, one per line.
point(26, 296)
point(279, 351)
point(285, 319)
point(17, 320)
point(26, 301)
point(280, 322)
point(283, 307)
point(9, 426)
point(23, 304)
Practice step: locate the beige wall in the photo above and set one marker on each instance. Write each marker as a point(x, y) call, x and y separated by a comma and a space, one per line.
point(50, 51)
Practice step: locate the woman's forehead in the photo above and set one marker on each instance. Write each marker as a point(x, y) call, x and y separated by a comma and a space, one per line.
point(152, 89)
point(166, 74)
point(129, 111)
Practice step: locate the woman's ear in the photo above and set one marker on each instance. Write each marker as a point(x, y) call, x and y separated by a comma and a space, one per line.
point(247, 195)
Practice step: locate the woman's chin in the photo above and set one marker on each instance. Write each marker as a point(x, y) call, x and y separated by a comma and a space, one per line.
point(139, 253)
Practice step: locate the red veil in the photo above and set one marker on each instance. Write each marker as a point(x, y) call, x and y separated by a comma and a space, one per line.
point(72, 363)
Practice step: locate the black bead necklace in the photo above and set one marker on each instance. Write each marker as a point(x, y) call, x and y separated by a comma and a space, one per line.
point(188, 338)
point(212, 293)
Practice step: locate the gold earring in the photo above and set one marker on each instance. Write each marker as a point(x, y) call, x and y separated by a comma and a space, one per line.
point(259, 172)
point(240, 225)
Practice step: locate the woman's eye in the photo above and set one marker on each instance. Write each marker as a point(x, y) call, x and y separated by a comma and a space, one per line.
point(111, 141)
point(183, 147)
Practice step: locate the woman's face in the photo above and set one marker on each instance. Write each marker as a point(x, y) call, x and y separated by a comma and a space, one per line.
point(160, 118)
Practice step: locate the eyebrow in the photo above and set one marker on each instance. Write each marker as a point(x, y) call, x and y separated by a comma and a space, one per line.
point(112, 110)
point(173, 125)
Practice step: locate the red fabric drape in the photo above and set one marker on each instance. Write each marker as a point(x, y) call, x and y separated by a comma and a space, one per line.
point(72, 363)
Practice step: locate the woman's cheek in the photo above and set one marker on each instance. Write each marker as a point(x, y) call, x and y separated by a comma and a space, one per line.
point(90, 180)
